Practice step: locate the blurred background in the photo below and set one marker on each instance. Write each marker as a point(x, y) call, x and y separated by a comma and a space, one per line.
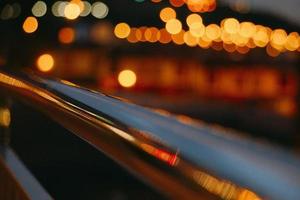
point(228, 62)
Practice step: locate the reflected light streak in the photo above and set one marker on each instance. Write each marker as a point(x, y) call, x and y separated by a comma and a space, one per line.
point(165, 156)
point(223, 189)
point(121, 133)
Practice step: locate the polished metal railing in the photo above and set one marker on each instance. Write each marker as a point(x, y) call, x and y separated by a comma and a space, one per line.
point(181, 158)
point(16, 181)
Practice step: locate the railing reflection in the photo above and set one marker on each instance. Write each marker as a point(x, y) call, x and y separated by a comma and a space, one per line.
point(178, 156)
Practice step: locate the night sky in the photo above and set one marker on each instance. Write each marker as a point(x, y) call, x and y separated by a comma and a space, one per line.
point(288, 9)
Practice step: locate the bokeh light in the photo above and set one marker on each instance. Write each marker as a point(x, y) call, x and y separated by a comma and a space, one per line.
point(127, 78)
point(87, 8)
point(231, 26)
point(71, 11)
point(173, 26)
point(167, 14)
point(193, 18)
point(45, 63)
point(39, 9)
point(122, 30)
point(66, 35)
point(213, 32)
point(197, 29)
point(30, 25)
point(100, 10)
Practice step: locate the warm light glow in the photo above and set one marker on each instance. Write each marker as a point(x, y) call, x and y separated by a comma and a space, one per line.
point(127, 78)
point(197, 29)
point(30, 25)
point(45, 63)
point(189, 39)
point(71, 11)
point(173, 26)
point(122, 30)
point(213, 32)
point(193, 18)
point(165, 36)
point(66, 35)
point(86, 9)
point(292, 42)
point(79, 3)
point(204, 43)
point(247, 29)
point(152, 34)
point(167, 14)
point(261, 38)
point(278, 38)
point(201, 6)
point(39, 9)
point(231, 25)
point(5, 117)
point(247, 195)
point(178, 38)
point(177, 3)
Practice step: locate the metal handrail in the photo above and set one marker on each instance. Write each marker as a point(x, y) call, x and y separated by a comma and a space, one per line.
point(16, 181)
point(178, 156)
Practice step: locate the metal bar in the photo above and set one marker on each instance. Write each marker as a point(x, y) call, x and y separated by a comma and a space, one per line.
point(16, 182)
point(180, 157)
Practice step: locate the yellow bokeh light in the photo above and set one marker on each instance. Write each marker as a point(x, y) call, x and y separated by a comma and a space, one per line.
point(213, 32)
point(72, 11)
point(30, 25)
point(122, 30)
point(127, 78)
point(197, 29)
point(193, 18)
point(247, 29)
point(173, 26)
point(79, 3)
point(167, 14)
point(178, 38)
point(261, 37)
point(226, 37)
point(292, 42)
point(278, 38)
point(204, 43)
point(45, 63)
point(189, 39)
point(231, 26)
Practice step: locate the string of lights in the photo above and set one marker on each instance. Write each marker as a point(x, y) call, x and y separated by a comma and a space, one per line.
point(230, 35)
